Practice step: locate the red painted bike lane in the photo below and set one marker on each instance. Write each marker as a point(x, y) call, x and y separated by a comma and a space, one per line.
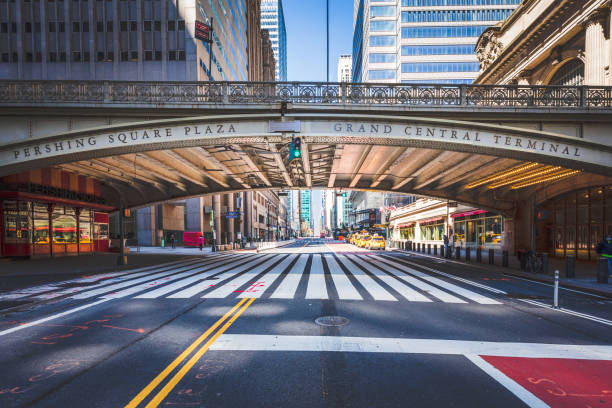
point(562, 383)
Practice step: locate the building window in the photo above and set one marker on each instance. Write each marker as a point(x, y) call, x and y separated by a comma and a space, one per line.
point(171, 25)
point(76, 27)
point(420, 67)
point(382, 11)
point(442, 32)
point(124, 56)
point(382, 40)
point(385, 25)
point(5, 57)
point(181, 25)
point(123, 26)
point(570, 74)
point(381, 74)
point(380, 58)
point(148, 55)
point(147, 25)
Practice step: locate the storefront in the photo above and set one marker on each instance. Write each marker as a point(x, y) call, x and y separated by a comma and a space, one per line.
point(478, 228)
point(574, 223)
point(61, 222)
point(406, 231)
point(432, 229)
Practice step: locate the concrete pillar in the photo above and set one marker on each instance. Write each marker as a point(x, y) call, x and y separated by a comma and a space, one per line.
point(230, 221)
point(217, 210)
point(595, 50)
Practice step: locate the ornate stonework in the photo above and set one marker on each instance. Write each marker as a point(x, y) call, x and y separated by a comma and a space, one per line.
point(489, 47)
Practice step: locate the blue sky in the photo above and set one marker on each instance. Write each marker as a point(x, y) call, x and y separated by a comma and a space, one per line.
point(306, 41)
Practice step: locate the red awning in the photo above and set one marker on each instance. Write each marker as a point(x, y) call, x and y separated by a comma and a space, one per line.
point(431, 220)
point(468, 213)
point(410, 224)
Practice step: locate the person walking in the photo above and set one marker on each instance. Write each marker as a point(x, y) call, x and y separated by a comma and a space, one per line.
point(604, 248)
point(445, 244)
point(173, 240)
point(201, 242)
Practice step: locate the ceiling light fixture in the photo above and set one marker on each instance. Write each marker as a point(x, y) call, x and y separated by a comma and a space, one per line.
point(506, 173)
point(552, 177)
point(530, 175)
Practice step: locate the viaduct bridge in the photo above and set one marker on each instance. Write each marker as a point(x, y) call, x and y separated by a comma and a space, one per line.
point(496, 147)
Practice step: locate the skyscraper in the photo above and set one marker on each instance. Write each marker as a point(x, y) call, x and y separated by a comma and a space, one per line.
point(306, 195)
point(421, 41)
point(273, 20)
point(122, 40)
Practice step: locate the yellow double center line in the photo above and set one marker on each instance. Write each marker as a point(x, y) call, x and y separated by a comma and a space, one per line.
point(159, 397)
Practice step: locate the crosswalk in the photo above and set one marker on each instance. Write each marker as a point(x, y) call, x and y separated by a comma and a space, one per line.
point(351, 277)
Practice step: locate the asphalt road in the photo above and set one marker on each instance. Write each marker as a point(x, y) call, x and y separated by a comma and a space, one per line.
point(228, 330)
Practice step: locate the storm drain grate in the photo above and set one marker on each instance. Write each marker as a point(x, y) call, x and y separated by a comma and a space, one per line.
point(331, 321)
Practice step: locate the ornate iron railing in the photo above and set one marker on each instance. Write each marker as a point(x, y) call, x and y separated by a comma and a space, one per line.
point(206, 93)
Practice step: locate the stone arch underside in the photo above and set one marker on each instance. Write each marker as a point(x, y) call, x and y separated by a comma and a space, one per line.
point(154, 161)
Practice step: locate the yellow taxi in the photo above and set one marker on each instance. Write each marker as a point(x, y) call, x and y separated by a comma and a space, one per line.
point(354, 239)
point(363, 241)
point(377, 242)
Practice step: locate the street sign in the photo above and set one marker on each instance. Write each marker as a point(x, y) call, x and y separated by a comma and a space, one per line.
point(203, 31)
point(289, 126)
point(232, 214)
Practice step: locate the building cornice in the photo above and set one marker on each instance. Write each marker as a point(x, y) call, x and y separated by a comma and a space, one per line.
point(512, 52)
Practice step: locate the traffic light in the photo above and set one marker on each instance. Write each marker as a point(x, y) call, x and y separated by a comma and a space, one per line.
point(295, 149)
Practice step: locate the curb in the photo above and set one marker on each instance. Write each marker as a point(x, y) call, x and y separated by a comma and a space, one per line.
point(511, 272)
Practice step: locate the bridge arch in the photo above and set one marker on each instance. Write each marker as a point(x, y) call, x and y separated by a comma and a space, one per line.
point(412, 154)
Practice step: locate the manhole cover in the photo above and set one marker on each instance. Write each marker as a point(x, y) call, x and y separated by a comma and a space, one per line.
point(331, 321)
point(523, 296)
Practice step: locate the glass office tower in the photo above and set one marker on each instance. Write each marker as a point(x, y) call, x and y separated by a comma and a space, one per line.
point(273, 20)
point(421, 41)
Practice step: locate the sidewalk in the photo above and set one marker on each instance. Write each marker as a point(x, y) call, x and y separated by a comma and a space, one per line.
point(585, 280)
point(16, 274)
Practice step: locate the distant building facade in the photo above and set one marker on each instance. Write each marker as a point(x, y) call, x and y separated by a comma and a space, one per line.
point(421, 41)
point(345, 68)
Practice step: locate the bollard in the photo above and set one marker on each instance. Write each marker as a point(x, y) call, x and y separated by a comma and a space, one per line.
point(418, 247)
point(545, 263)
point(458, 253)
point(468, 254)
point(479, 254)
point(429, 249)
point(505, 258)
point(602, 270)
point(570, 266)
point(491, 256)
point(423, 248)
point(435, 250)
point(556, 294)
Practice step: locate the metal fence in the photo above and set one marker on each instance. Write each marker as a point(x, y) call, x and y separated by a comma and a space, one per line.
point(206, 93)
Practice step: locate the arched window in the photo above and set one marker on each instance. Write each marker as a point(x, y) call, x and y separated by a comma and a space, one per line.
point(570, 74)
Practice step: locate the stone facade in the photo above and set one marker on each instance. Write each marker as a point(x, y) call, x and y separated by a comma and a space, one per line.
point(549, 42)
